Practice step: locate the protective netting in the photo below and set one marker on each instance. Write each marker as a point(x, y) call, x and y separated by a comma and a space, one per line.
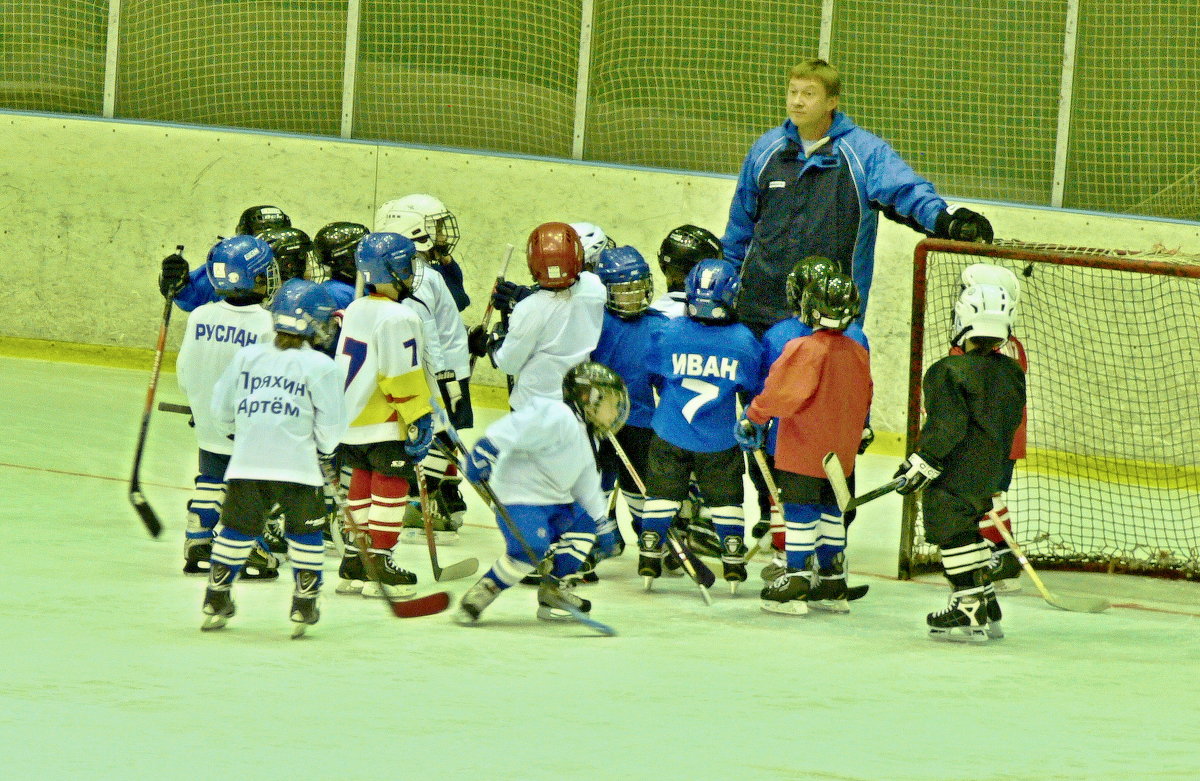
point(1112, 480)
point(52, 55)
point(241, 63)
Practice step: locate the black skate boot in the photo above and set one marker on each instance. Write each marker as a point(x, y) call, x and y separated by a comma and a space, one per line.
point(963, 620)
point(261, 565)
point(994, 614)
point(195, 556)
point(552, 597)
point(1004, 571)
point(777, 567)
point(702, 538)
point(218, 601)
point(828, 590)
point(351, 573)
point(304, 601)
point(478, 597)
point(397, 583)
point(586, 572)
point(452, 500)
point(788, 593)
point(733, 561)
point(650, 557)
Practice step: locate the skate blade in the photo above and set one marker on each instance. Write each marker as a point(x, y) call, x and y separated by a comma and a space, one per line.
point(830, 605)
point(412, 536)
point(647, 582)
point(795, 607)
point(733, 587)
point(463, 618)
point(213, 622)
point(994, 632)
point(255, 573)
point(445, 538)
point(371, 591)
point(960, 634)
point(349, 587)
point(195, 567)
point(298, 630)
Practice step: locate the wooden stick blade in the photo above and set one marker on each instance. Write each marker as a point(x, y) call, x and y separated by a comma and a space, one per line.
point(1078, 604)
point(428, 605)
point(462, 569)
point(837, 480)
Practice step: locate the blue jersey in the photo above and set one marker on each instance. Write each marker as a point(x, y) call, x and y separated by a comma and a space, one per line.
point(698, 369)
point(623, 347)
point(777, 337)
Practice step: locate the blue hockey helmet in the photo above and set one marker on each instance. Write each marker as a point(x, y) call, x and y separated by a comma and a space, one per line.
point(711, 288)
point(235, 265)
point(626, 274)
point(304, 308)
point(387, 258)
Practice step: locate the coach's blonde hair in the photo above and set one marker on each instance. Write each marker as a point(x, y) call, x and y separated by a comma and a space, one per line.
point(818, 70)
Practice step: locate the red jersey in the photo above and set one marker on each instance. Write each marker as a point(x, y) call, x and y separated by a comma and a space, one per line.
point(1015, 350)
point(820, 389)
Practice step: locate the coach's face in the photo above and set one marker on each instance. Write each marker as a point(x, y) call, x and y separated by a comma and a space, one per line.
point(809, 107)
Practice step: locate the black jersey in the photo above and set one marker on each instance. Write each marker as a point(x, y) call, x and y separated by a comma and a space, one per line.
point(973, 404)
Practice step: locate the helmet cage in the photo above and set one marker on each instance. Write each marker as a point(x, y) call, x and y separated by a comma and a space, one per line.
point(241, 264)
point(983, 311)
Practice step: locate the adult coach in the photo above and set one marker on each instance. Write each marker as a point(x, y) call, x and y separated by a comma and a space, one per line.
point(811, 186)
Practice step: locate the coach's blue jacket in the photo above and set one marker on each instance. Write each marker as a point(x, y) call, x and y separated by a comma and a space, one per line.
point(787, 207)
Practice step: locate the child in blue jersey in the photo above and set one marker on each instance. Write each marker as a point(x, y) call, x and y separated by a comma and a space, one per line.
point(630, 325)
point(699, 363)
point(281, 401)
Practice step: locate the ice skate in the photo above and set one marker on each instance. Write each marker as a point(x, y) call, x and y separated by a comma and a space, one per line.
point(352, 575)
point(195, 556)
point(261, 565)
point(477, 598)
point(1004, 571)
point(453, 504)
point(552, 599)
point(963, 620)
point(775, 568)
point(396, 583)
point(828, 590)
point(650, 558)
point(304, 602)
point(218, 601)
point(994, 614)
point(413, 532)
point(733, 561)
point(702, 538)
point(586, 572)
point(787, 593)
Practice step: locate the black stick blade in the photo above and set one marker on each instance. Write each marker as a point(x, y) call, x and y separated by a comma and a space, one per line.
point(148, 516)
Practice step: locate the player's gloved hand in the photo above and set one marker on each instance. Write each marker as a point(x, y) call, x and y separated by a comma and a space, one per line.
point(507, 294)
point(750, 435)
point(478, 464)
point(448, 381)
point(174, 275)
point(606, 538)
point(420, 437)
point(868, 436)
point(332, 486)
point(477, 341)
point(959, 223)
point(916, 471)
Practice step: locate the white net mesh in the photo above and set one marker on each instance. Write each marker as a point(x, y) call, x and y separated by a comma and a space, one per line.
point(52, 57)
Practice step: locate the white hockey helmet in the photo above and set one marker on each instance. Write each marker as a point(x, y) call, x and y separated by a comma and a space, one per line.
point(989, 274)
point(440, 228)
point(983, 311)
point(594, 241)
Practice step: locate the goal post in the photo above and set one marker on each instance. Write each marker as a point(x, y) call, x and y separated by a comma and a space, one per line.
point(1111, 481)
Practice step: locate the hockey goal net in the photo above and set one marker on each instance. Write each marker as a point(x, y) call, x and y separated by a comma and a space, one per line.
point(1111, 481)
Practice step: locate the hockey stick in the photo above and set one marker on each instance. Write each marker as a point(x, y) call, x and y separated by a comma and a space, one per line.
point(136, 497)
point(489, 497)
point(455, 571)
point(837, 479)
point(1073, 604)
point(428, 605)
point(182, 409)
point(765, 471)
point(487, 312)
point(696, 569)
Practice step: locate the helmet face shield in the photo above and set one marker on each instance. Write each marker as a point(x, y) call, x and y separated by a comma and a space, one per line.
point(608, 413)
point(598, 396)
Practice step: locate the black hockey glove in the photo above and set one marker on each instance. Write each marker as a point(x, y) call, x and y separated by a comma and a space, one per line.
point(917, 472)
point(868, 436)
point(477, 341)
point(508, 294)
point(174, 275)
point(959, 223)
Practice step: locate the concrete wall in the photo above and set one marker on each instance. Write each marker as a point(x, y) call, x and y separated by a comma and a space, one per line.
point(89, 207)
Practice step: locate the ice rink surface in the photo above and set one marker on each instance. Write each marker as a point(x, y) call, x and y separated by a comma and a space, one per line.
point(106, 674)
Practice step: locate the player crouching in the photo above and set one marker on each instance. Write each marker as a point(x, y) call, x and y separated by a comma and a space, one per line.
point(974, 403)
point(282, 403)
point(540, 462)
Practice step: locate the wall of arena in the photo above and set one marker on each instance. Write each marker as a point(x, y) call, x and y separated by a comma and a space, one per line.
point(91, 206)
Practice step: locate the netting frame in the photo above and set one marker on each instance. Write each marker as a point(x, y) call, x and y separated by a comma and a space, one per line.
point(912, 563)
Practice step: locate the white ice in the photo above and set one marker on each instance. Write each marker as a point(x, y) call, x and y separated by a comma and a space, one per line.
point(106, 674)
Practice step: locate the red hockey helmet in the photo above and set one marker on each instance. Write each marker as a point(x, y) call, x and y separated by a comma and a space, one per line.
point(555, 255)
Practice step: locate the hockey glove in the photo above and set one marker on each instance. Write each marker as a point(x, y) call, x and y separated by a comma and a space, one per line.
point(451, 392)
point(916, 471)
point(508, 294)
point(959, 223)
point(332, 485)
point(868, 436)
point(750, 435)
point(174, 275)
point(420, 437)
point(606, 538)
point(478, 341)
point(479, 463)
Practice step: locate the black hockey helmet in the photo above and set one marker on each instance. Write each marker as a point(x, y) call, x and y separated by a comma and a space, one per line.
point(830, 302)
point(686, 246)
point(335, 244)
point(811, 268)
point(259, 218)
point(292, 248)
point(598, 395)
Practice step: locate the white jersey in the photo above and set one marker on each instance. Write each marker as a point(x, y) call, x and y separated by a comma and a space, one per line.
point(215, 332)
point(387, 385)
point(671, 304)
point(283, 408)
point(452, 334)
point(549, 332)
point(546, 457)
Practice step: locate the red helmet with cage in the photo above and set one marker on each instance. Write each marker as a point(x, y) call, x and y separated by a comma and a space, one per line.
point(555, 255)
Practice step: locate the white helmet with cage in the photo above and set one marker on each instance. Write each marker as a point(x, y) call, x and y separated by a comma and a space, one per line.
point(990, 274)
point(439, 227)
point(594, 241)
point(983, 310)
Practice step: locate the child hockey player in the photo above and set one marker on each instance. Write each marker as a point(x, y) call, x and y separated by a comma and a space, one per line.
point(388, 393)
point(242, 271)
point(540, 463)
point(436, 241)
point(335, 245)
point(594, 241)
point(820, 390)
point(553, 328)
point(973, 406)
point(1003, 570)
point(699, 363)
point(281, 401)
